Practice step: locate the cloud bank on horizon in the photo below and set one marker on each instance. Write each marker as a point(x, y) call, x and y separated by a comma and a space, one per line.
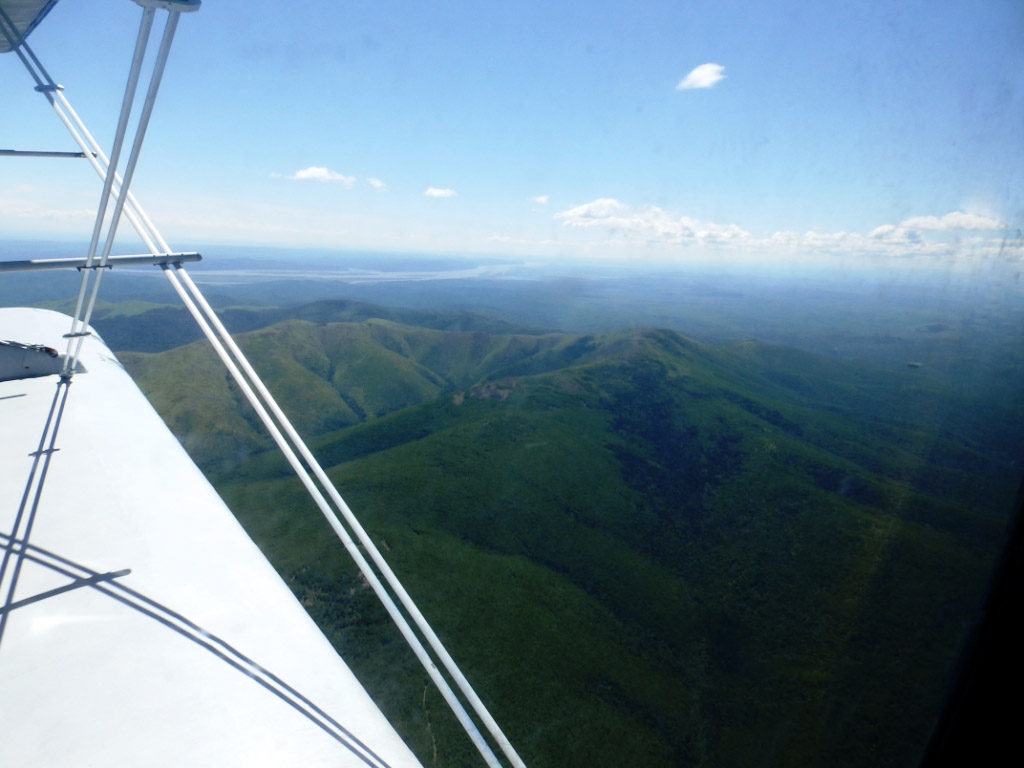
point(669, 234)
point(952, 221)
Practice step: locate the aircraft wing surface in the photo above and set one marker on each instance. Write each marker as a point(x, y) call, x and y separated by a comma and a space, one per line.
point(24, 15)
point(140, 625)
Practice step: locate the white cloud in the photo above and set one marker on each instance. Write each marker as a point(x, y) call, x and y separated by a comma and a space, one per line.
point(540, 199)
point(953, 220)
point(887, 240)
point(438, 192)
point(376, 183)
point(704, 76)
point(889, 233)
point(675, 235)
point(595, 212)
point(320, 173)
point(650, 224)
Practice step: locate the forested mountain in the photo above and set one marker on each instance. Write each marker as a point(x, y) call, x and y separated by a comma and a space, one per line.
point(140, 326)
point(642, 549)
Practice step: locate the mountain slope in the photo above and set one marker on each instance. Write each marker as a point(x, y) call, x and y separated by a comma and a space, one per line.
point(643, 550)
point(328, 376)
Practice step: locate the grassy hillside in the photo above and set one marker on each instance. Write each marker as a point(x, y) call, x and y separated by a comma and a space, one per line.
point(643, 550)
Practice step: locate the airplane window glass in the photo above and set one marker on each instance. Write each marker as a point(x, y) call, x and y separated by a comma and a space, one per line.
point(669, 353)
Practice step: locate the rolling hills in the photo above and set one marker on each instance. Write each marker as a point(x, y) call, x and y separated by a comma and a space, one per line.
point(642, 549)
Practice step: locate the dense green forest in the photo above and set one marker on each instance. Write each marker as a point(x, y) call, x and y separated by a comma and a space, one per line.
point(643, 550)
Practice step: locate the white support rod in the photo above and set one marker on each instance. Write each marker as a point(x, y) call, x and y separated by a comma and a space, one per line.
point(46, 85)
point(152, 259)
point(143, 125)
point(80, 134)
point(78, 324)
point(40, 153)
point(145, 26)
point(133, 210)
point(407, 602)
point(53, 91)
point(136, 215)
point(93, 156)
point(350, 545)
point(140, 135)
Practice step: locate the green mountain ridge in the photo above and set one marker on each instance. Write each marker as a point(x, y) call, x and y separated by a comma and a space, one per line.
point(145, 327)
point(331, 375)
point(641, 549)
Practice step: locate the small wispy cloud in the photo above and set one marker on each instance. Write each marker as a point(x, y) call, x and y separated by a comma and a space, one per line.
point(438, 192)
point(320, 173)
point(376, 183)
point(540, 199)
point(704, 76)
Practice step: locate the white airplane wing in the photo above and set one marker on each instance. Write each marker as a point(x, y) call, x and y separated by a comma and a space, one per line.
point(141, 626)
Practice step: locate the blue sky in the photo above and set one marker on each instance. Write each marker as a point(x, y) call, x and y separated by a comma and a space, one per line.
point(865, 131)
